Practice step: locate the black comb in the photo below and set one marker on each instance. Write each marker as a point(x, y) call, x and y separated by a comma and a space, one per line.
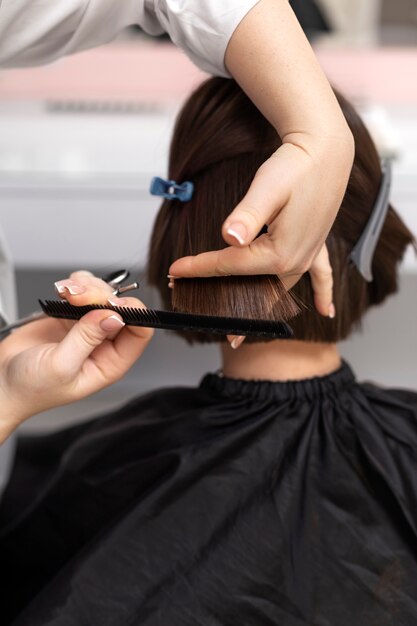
point(172, 320)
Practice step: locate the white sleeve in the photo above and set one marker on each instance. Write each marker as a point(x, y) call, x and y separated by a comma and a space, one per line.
point(33, 32)
point(202, 28)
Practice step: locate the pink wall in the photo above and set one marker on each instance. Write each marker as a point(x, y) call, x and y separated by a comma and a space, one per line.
point(155, 72)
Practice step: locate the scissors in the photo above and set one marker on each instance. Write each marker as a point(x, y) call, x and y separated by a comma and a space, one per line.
point(115, 280)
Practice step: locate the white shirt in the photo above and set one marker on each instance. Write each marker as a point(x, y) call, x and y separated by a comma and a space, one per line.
point(33, 32)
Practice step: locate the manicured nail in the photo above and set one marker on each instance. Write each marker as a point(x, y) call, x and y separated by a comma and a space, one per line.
point(112, 323)
point(118, 301)
point(171, 276)
point(238, 231)
point(61, 285)
point(332, 311)
point(68, 285)
point(237, 341)
point(76, 290)
point(171, 284)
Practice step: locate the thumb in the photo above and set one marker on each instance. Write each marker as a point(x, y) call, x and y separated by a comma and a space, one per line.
point(83, 338)
point(261, 204)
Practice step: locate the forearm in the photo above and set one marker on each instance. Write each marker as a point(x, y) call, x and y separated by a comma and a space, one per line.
point(271, 59)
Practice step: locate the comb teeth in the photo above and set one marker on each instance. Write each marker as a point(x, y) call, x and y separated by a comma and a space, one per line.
point(173, 320)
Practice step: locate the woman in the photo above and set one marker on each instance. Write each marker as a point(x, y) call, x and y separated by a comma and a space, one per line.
point(279, 491)
point(282, 77)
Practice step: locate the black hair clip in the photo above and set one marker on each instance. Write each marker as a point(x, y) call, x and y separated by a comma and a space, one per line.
point(171, 190)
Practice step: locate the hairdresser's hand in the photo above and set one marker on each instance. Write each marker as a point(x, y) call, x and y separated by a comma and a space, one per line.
point(53, 362)
point(297, 192)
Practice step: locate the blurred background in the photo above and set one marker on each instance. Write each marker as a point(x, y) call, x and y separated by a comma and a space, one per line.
point(82, 137)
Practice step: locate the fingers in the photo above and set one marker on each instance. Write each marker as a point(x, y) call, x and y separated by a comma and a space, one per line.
point(235, 340)
point(114, 358)
point(139, 331)
point(90, 338)
point(258, 258)
point(132, 341)
point(321, 276)
point(83, 288)
point(263, 201)
point(82, 339)
point(89, 335)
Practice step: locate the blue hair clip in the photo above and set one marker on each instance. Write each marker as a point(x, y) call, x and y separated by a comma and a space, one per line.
point(170, 190)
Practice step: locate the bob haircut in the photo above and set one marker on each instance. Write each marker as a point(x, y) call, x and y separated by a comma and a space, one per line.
point(219, 142)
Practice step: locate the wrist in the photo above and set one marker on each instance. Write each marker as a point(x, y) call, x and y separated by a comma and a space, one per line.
point(334, 143)
point(336, 132)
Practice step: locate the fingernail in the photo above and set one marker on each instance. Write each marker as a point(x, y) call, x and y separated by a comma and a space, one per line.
point(76, 290)
point(237, 341)
point(332, 311)
point(112, 323)
point(117, 301)
point(68, 285)
point(238, 231)
point(171, 276)
point(171, 285)
point(61, 285)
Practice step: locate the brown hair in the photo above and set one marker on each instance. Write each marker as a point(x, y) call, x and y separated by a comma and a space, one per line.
point(219, 142)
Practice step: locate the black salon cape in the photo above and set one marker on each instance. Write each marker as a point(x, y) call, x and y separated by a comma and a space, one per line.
point(231, 504)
